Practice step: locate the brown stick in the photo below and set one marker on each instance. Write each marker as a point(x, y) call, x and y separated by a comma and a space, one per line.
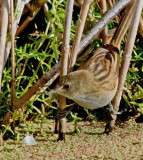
point(27, 21)
point(103, 6)
point(34, 7)
point(64, 62)
point(3, 34)
point(13, 59)
point(127, 55)
point(79, 30)
point(20, 6)
point(13, 56)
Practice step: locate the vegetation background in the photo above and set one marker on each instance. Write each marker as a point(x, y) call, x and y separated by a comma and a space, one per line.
point(37, 50)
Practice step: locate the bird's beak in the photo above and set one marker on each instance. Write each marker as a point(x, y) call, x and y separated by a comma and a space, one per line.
point(56, 91)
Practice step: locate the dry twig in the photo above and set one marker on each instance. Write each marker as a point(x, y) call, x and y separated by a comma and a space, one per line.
point(127, 55)
point(12, 54)
point(20, 7)
point(3, 33)
point(103, 6)
point(64, 63)
point(79, 30)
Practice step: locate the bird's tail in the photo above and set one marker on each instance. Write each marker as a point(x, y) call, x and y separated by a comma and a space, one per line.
point(123, 25)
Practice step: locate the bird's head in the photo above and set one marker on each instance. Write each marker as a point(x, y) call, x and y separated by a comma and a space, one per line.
point(72, 84)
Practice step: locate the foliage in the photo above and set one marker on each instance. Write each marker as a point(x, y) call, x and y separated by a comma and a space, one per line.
point(39, 48)
point(133, 91)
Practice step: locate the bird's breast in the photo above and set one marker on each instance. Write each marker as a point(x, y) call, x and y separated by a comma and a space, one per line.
point(94, 100)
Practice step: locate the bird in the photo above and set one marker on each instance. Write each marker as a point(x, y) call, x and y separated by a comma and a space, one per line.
point(95, 83)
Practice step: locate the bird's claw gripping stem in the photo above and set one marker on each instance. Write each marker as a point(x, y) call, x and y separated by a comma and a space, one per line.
point(113, 112)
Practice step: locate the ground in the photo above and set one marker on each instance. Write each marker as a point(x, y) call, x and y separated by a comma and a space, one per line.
point(124, 143)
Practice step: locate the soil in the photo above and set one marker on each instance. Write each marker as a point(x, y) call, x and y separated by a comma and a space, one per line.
point(124, 143)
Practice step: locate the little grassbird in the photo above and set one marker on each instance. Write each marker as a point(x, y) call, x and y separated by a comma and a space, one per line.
point(95, 83)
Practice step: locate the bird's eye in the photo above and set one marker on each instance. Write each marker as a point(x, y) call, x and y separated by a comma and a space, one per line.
point(66, 86)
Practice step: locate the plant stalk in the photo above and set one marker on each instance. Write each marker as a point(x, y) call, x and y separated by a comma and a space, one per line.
point(64, 63)
point(79, 31)
point(3, 33)
point(127, 55)
point(103, 6)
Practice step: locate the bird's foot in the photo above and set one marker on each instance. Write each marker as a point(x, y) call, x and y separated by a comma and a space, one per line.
point(113, 112)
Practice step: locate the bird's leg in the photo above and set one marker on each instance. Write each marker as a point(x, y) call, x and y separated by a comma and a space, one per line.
point(112, 114)
point(64, 113)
